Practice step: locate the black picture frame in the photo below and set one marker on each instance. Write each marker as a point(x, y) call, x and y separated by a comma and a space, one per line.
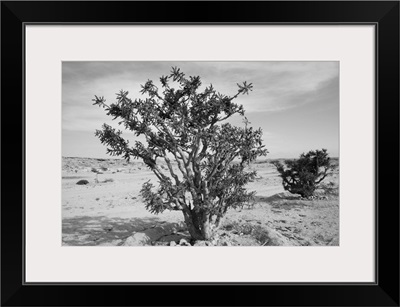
point(383, 14)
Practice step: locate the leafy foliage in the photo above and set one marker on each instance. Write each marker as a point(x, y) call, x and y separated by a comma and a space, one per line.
point(185, 127)
point(304, 175)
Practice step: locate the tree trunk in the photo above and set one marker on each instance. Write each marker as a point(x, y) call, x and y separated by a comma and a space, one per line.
point(192, 225)
point(198, 225)
point(206, 230)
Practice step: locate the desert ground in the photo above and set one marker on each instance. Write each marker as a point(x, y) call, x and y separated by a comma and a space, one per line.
point(109, 211)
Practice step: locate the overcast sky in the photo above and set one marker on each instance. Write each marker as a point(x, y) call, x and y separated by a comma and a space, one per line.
point(295, 103)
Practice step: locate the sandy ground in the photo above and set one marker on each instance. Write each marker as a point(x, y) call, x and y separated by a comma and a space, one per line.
point(108, 211)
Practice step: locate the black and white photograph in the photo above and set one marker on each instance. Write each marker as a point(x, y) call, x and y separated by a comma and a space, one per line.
point(205, 146)
point(229, 153)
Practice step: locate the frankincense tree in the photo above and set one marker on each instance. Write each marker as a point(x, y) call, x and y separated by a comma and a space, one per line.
point(304, 175)
point(205, 156)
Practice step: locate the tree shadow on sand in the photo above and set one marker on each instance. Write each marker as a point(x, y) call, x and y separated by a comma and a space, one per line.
point(284, 200)
point(282, 196)
point(288, 201)
point(102, 230)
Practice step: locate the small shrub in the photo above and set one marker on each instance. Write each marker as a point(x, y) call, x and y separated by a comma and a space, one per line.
point(82, 182)
point(304, 175)
point(108, 180)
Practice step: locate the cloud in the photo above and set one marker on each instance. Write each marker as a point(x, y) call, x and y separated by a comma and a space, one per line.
point(324, 93)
